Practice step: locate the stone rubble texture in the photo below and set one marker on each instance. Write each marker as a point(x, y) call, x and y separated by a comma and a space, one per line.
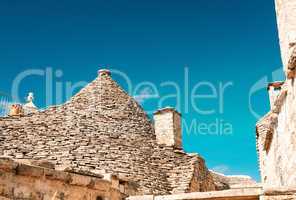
point(103, 128)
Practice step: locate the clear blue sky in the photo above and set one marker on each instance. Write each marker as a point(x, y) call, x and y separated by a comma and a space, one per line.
point(219, 40)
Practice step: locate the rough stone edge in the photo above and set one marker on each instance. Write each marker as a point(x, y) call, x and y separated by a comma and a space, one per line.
point(8, 165)
point(291, 73)
point(166, 110)
point(270, 120)
point(279, 191)
point(233, 193)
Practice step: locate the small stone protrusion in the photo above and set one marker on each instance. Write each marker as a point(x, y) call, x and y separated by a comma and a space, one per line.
point(16, 110)
point(104, 72)
point(273, 90)
point(291, 71)
point(30, 107)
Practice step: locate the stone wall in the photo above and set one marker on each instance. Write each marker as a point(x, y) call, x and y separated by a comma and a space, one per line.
point(248, 193)
point(286, 17)
point(234, 194)
point(283, 193)
point(278, 197)
point(276, 132)
point(22, 181)
point(277, 140)
point(202, 180)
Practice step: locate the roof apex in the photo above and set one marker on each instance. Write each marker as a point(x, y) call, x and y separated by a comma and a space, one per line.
point(103, 72)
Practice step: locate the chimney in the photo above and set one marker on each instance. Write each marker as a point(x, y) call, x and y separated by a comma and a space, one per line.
point(167, 124)
point(16, 110)
point(273, 91)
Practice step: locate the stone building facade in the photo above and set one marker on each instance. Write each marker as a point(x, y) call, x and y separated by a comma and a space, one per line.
point(276, 132)
point(286, 17)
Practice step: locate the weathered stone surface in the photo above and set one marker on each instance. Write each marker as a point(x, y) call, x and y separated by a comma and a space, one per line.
point(224, 182)
point(21, 181)
point(103, 128)
point(234, 194)
point(167, 123)
point(279, 193)
point(273, 91)
point(279, 197)
point(286, 17)
point(276, 140)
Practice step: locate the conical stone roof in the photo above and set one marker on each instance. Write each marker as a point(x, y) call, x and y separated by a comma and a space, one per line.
point(103, 128)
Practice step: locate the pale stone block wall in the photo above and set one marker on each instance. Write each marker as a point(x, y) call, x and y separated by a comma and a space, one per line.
point(21, 181)
point(286, 17)
point(167, 124)
point(283, 193)
point(276, 139)
point(278, 197)
point(178, 129)
point(234, 194)
point(164, 127)
point(278, 159)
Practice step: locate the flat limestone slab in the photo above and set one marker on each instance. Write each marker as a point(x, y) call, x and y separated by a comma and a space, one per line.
point(234, 194)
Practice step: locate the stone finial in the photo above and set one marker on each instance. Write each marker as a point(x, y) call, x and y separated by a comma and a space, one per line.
point(30, 107)
point(104, 72)
point(30, 97)
point(167, 124)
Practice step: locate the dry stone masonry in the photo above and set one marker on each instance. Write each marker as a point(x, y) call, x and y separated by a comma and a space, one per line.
point(103, 128)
